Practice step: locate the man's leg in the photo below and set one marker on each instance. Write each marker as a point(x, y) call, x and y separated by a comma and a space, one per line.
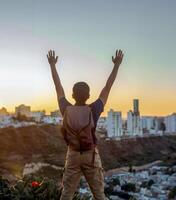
point(71, 180)
point(94, 175)
point(71, 176)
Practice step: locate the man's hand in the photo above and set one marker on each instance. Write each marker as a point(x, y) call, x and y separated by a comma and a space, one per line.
point(118, 57)
point(51, 58)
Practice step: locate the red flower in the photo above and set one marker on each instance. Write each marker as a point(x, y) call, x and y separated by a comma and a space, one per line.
point(35, 184)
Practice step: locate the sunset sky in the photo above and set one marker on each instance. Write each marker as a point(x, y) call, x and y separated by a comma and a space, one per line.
point(85, 34)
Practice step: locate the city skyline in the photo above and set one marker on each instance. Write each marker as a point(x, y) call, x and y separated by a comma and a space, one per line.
point(135, 125)
point(105, 114)
point(85, 35)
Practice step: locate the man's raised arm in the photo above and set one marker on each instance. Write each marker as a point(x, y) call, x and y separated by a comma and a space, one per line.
point(117, 61)
point(52, 59)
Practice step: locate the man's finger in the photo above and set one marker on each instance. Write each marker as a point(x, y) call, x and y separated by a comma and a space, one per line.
point(120, 53)
point(56, 58)
point(54, 54)
point(47, 56)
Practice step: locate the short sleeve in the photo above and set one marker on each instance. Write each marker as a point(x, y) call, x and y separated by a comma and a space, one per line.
point(97, 108)
point(63, 103)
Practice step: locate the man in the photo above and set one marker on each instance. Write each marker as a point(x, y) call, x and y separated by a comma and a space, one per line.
point(82, 154)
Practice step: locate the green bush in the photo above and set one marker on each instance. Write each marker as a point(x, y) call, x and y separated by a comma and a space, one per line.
point(172, 193)
point(33, 189)
point(147, 184)
point(115, 181)
point(5, 192)
point(129, 187)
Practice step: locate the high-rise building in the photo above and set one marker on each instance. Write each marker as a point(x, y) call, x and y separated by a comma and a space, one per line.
point(136, 106)
point(133, 120)
point(130, 123)
point(114, 124)
point(147, 123)
point(170, 122)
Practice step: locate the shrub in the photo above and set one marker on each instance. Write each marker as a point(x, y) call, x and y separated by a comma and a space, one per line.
point(129, 187)
point(147, 184)
point(34, 189)
point(172, 193)
point(5, 192)
point(115, 181)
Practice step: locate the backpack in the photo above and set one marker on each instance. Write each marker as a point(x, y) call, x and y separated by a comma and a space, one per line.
point(78, 128)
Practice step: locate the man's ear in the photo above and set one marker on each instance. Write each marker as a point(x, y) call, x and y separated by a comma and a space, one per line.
point(73, 96)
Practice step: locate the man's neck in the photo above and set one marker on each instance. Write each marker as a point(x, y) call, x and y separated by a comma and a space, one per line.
point(80, 104)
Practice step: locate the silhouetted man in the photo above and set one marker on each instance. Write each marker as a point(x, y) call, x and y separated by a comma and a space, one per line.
point(79, 125)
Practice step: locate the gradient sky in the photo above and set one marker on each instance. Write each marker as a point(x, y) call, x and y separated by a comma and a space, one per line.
point(85, 34)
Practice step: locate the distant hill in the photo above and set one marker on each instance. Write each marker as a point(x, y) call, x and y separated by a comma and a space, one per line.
point(19, 146)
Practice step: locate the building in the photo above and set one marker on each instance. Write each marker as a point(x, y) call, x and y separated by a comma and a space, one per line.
point(56, 113)
point(47, 119)
point(136, 107)
point(37, 115)
point(133, 120)
point(5, 121)
point(148, 124)
point(152, 124)
point(170, 122)
point(3, 111)
point(130, 123)
point(114, 124)
point(102, 124)
point(23, 110)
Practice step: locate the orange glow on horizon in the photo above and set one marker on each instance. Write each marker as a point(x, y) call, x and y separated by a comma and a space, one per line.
point(156, 106)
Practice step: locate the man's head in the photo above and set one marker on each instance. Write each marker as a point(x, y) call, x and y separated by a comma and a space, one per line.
point(81, 92)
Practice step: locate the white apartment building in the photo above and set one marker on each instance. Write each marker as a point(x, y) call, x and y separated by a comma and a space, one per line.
point(130, 123)
point(37, 115)
point(170, 122)
point(151, 124)
point(133, 124)
point(114, 124)
point(134, 121)
point(51, 120)
point(148, 123)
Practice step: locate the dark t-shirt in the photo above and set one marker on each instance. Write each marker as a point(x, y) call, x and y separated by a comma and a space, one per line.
point(97, 108)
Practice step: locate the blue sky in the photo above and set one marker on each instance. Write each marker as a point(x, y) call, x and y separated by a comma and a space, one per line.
point(85, 35)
